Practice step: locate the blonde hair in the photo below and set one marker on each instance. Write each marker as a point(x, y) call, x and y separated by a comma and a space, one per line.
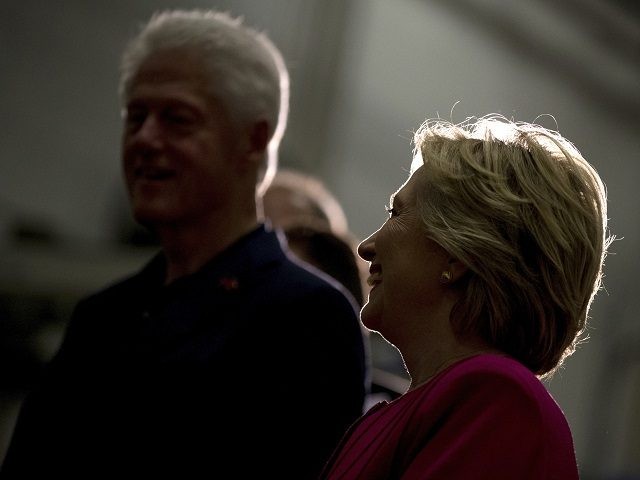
point(519, 205)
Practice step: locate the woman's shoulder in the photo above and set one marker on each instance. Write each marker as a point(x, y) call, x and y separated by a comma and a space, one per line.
point(496, 380)
point(491, 364)
point(493, 390)
point(495, 413)
point(488, 369)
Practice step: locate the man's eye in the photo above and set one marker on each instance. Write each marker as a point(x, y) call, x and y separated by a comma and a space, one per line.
point(179, 118)
point(135, 118)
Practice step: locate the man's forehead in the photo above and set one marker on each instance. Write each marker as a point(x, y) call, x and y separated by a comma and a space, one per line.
point(167, 66)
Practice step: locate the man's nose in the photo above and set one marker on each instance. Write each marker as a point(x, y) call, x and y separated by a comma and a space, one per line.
point(150, 132)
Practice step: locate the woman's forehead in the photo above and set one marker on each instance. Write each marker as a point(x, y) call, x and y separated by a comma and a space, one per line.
point(406, 192)
point(416, 162)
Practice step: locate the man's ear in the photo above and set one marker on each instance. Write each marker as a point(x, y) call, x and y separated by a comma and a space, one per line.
point(258, 140)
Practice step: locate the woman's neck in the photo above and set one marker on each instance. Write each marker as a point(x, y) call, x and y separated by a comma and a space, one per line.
point(443, 359)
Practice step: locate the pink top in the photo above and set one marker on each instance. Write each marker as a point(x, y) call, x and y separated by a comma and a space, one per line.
point(485, 417)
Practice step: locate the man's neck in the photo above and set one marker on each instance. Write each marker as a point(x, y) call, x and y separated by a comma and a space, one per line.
point(188, 247)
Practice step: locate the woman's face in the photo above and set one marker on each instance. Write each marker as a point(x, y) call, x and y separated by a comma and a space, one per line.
point(405, 267)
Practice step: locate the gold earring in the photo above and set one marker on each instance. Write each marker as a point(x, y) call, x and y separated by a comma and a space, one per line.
point(445, 277)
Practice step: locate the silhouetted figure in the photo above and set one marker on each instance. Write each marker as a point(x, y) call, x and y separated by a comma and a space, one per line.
point(221, 358)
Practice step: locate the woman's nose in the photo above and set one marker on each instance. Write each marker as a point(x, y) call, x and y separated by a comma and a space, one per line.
point(366, 249)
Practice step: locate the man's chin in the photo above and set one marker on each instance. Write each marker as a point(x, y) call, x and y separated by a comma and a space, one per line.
point(151, 219)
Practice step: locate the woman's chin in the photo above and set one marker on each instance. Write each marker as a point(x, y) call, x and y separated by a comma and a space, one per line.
point(369, 317)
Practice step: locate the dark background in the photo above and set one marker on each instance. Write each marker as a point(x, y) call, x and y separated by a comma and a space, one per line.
point(364, 73)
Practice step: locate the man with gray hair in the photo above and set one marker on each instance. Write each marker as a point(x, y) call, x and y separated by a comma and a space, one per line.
point(221, 344)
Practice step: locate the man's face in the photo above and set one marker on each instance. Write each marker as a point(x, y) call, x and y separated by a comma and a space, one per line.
point(178, 144)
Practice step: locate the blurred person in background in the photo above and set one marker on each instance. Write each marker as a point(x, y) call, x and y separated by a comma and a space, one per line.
point(483, 277)
point(317, 231)
point(315, 226)
point(221, 357)
point(329, 253)
point(296, 197)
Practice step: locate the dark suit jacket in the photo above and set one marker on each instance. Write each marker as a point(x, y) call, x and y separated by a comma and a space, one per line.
point(253, 366)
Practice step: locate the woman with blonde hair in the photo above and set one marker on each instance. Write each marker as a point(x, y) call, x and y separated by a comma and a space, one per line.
point(482, 277)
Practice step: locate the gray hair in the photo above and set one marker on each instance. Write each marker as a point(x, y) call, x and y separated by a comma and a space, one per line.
point(246, 70)
point(519, 205)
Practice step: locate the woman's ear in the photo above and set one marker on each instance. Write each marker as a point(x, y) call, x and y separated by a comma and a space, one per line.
point(455, 270)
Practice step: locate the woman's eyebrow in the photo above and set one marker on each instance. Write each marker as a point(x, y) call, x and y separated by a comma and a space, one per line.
point(395, 200)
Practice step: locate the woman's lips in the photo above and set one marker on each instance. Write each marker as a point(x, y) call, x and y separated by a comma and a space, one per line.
point(375, 275)
point(372, 281)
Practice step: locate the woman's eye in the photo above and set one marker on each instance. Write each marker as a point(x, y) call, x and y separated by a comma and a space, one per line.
point(391, 211)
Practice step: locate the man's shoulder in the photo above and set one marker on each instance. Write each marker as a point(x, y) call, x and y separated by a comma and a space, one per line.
point(116, 290)
point(306, 279)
